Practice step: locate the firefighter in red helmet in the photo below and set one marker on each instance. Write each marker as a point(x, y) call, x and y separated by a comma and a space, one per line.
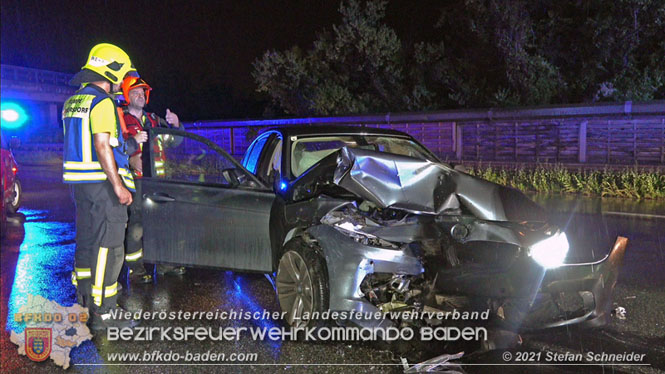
point(136, 93)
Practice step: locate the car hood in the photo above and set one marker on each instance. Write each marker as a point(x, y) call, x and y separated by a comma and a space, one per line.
point(425, 187)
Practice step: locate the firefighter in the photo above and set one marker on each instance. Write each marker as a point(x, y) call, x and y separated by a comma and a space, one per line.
point(96, 164)
point(136, 93)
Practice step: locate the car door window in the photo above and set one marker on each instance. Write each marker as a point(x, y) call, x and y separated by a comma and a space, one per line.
point(271, 163)
point(251, 158)
point(185, 157)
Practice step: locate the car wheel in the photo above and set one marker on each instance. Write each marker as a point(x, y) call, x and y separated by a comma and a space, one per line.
point(301, 282)
point(15, 202)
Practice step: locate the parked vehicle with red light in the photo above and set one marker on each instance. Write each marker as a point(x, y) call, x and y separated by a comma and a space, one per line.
point(11, 186)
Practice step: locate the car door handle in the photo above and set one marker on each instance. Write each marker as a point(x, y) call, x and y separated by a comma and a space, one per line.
point(159, 197)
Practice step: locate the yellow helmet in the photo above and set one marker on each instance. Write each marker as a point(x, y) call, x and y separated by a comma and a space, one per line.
point(109, 61)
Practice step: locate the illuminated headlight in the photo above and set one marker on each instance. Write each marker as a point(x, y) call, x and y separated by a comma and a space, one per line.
point(550, 252)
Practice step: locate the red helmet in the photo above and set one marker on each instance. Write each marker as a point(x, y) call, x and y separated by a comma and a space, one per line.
point(131, 82)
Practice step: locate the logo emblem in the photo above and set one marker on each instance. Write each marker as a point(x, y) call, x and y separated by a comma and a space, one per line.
point(38, 343)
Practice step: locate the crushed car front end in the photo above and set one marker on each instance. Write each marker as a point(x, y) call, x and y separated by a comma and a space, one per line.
point(416, 235)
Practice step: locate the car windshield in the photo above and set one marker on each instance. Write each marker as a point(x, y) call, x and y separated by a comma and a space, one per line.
point(305, 152)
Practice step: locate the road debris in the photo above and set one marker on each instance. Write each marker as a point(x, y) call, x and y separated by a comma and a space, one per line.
point(439, 364)
point(620, 312)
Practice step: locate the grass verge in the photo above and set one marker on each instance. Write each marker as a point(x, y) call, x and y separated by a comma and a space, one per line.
point(628, 182)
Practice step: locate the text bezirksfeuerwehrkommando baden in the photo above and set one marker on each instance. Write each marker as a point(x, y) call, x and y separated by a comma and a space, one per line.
point(336, 333)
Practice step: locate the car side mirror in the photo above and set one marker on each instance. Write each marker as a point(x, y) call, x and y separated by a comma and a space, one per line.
point(14, 143)
point(231, 176)
point(237, 178)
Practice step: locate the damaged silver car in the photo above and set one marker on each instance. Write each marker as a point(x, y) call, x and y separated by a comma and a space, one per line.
point(369, 220)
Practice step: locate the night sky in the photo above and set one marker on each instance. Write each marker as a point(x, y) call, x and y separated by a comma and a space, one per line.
point(196, 55)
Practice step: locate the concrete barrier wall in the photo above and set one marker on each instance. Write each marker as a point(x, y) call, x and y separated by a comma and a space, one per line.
point(602, 134)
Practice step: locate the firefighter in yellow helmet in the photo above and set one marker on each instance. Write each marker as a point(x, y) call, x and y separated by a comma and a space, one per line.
point(96, 165)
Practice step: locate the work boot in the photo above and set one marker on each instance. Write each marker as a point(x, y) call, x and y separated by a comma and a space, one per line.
point(137, 271)
point(139, 275)
point(169, 269)
point(100, 320)
point(146, 279)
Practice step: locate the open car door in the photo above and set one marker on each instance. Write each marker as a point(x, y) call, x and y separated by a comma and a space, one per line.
point(201, 207)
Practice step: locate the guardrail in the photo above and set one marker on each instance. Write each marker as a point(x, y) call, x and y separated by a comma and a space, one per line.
point(616, 134)
point(29, 75)
point(21, 81)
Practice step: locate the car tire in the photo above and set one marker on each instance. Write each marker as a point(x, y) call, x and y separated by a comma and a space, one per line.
point(302, 282)
point(15, 202)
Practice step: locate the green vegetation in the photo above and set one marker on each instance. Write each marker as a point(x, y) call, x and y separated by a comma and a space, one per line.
point(479, 53)
point(628, 182)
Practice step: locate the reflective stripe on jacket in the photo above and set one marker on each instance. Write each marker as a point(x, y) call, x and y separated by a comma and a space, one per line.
point(80, 163)
point(134, 126)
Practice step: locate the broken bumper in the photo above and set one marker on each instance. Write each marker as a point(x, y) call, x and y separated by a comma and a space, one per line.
point(593, 282)
point(349, 262)
point(537, 298)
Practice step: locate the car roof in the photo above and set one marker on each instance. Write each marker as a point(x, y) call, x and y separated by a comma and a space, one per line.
point(332, 130)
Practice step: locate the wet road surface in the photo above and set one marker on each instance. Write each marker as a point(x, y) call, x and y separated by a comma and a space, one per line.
point(37, 256)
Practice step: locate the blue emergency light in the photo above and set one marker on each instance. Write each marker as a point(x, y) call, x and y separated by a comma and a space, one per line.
point(13, 115)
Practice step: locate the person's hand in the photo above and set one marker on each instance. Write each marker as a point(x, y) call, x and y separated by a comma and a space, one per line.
point(136, 163)
point(172, 118)
point(123, 194)
point(141, 137)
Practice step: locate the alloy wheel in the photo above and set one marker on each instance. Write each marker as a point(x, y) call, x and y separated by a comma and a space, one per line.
point(17, 195)
point(294, 289)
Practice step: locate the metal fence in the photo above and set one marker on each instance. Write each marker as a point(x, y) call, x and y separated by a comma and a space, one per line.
point(600, 134)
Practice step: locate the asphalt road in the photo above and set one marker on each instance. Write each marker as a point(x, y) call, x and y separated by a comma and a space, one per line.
point(37, 255)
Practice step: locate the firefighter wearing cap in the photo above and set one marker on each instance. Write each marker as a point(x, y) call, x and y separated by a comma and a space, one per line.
point(96, 164)
point(136, 93)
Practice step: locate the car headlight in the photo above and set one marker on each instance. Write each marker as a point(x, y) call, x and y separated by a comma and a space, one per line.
point(551, 252)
